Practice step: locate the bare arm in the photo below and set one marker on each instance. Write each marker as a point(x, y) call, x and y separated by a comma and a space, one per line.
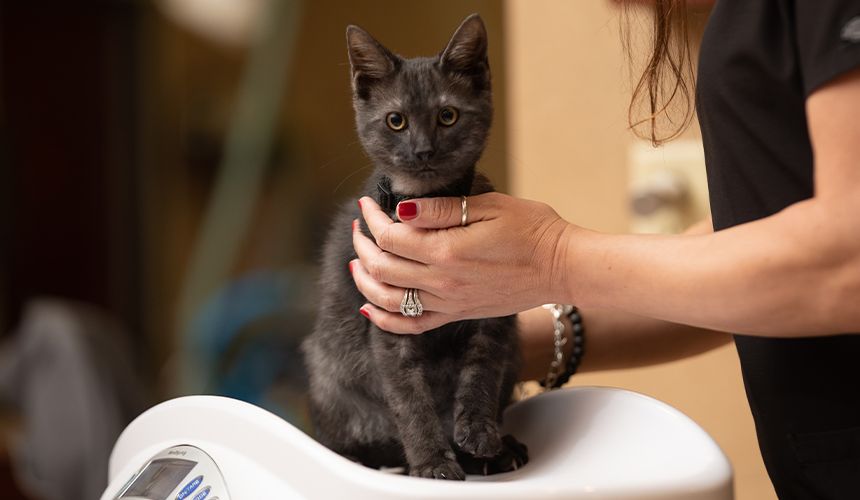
point(616, 339)
point(794, 273)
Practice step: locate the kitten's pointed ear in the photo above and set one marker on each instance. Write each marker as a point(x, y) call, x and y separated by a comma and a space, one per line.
point(369, 60)
point(466, 52)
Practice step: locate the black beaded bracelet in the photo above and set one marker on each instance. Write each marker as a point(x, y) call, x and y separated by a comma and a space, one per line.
point(576, 352)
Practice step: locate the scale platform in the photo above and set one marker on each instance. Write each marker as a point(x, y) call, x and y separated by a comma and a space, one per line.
point(584, 443)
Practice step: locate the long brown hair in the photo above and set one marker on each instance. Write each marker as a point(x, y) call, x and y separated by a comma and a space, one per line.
point(662, 104)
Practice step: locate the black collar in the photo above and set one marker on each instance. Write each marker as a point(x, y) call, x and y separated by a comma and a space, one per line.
point(386, 196)
point(388, 199)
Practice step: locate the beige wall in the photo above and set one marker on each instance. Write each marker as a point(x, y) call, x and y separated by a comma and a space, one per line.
point(567, 144)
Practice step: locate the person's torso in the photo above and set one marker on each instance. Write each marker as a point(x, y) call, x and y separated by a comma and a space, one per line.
point(752, 86)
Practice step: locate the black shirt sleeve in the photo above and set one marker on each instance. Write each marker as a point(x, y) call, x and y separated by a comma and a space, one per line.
point(828, 39)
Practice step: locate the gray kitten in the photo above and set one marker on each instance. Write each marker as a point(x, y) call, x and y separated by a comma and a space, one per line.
point(430, 402)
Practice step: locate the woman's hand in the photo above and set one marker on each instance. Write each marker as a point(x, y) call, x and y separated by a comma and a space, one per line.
point(509, 257)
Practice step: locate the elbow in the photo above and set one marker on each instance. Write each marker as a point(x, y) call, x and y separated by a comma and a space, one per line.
point(841, 255)
point(840, 297)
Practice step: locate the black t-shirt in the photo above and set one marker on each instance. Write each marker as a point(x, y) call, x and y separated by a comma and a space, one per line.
point(759, 61)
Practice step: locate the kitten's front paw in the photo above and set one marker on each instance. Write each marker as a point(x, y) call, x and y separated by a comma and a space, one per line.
point(478, 438)
point(514, 455)
point(445, 468)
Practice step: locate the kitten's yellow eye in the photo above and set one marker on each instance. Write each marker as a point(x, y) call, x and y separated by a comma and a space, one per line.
point(448, 116)
point(395, 121)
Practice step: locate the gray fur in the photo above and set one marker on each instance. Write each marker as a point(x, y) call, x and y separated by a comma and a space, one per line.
point(431, 402)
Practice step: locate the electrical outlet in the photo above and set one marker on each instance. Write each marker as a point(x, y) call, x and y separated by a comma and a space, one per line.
point(668, 186)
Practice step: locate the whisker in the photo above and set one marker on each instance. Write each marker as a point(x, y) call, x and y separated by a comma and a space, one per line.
point(337, 157)
point(365, 167)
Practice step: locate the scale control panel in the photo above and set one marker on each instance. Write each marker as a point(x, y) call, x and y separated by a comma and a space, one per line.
point(181, 472)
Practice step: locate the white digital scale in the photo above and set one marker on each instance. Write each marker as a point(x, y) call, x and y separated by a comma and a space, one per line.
point(183, 472)
point(584, 443)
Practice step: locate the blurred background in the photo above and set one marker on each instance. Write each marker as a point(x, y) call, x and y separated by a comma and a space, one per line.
point(168, 170)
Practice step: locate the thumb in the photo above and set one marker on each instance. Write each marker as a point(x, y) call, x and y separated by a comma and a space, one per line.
point(441, 213)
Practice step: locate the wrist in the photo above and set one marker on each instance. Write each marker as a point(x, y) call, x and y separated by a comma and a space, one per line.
point(570, 266)
point(552, 344)
point(535, 327)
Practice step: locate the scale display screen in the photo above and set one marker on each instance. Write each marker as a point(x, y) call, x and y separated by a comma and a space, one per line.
point(159, 478)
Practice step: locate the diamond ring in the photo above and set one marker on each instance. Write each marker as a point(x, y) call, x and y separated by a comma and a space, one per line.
point(411, 306)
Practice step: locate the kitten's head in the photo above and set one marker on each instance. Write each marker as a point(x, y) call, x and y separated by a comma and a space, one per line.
point(423, 121)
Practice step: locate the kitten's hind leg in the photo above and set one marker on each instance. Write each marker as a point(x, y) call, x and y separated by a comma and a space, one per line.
point(513, 456)
point(388, 454)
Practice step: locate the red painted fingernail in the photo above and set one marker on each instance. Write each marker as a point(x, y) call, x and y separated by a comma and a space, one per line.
point(364, 312)
point(359, 204)
point(354, 225)
point(351, 267)
point(407, 210)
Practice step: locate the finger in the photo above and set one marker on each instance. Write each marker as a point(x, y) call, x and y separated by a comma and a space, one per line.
point(386, 296)
point(441, 213)
point(414, 244)
point(397, 323)
point(386, 267)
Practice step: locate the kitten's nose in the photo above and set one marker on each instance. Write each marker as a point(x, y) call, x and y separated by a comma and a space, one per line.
point(424, 154)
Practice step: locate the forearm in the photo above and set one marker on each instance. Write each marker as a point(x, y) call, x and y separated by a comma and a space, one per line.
point(794, 273)
point(614, 340)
